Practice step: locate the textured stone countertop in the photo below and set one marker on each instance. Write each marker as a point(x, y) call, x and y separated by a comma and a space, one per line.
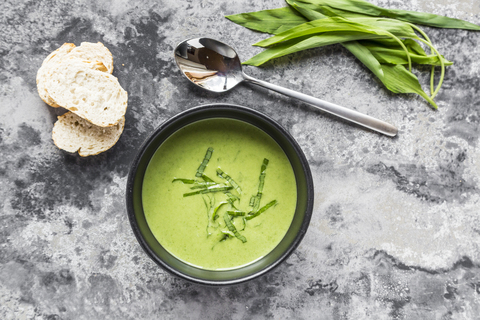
point(395, 230)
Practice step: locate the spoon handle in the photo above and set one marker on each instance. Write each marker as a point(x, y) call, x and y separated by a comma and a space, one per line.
point(339, 111)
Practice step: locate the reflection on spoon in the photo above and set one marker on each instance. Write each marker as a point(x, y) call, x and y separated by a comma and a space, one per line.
point(216, 67)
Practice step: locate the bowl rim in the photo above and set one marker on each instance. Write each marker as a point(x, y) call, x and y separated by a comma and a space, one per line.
point(171, 121)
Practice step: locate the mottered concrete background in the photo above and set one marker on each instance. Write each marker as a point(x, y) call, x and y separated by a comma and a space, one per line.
point(395, 230)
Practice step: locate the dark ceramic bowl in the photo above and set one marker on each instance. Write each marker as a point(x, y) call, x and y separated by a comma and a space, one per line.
point(294, 234)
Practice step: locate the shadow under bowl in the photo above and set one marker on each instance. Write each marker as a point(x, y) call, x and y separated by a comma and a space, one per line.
point(287, 245)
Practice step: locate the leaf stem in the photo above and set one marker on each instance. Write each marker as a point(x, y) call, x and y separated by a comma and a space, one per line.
point(432, 72)
point(400, 42)
point(442, 66)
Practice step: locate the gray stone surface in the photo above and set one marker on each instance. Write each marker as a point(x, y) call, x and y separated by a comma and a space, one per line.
point(395, 231)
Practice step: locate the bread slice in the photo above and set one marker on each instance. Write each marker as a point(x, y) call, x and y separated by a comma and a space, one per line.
point(79, 79)
point(74, 134)
point(50, 60)
point(87, 51)
point(91, 94)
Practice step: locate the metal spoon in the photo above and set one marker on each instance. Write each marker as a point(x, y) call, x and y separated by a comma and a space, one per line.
point(216, 67)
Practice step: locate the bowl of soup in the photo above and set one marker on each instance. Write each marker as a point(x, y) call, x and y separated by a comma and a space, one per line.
point(219, 194)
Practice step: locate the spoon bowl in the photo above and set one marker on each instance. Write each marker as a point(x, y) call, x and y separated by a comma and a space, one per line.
point(216, 67)
point(209, 64)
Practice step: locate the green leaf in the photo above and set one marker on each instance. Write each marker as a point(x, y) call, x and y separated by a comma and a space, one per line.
point(307, 12)
point(308, 42)
point(270, 21)
point(397, 56)
point(399, 80)
point(382, 55)
point(410, 44)
point(364, 7)
point(379, 26)
point(277, 17)
point(355, 47)
point(314, 12)
point(365, 56)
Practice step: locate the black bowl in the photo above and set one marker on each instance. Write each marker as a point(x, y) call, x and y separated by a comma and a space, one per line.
point(287, 245)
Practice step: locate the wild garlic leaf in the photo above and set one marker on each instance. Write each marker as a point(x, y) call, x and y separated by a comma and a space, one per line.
point(306, 11)
point(364, 7)
point(410, 44)
point(270, 21)
point(365, 56)
point(384, 54)
point(355, 47)
point(399, 80)
point(277, 17)
point(307, 42)
point(397, 56)
point(395, 78)
point(379, 26)
point(314, 12)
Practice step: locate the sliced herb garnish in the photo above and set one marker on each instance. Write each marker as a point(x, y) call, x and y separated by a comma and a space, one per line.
point(197, 184)
point(214, 215)
point(185, 181)
point(255, 200)
point(212, 225)
point(236, 213)
point(252, 201)
point(232, 182)
point(211, 190)
point(204, 185)
point(204, 163)
point(227, 234)
point(244, 223)
point(231, 227)
point(231, 198)
point(252, 215)
point(206, 179)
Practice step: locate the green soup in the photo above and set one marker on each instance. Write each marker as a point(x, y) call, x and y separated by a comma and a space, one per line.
point(194, 228)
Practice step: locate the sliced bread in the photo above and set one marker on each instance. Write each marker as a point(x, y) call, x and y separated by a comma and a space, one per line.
point(87, 51)
point(91, 94)
point(50, 60)
point(74, 134)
